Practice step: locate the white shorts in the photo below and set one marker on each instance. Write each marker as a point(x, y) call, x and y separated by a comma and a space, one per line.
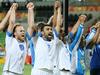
point(41, 72)
point(9, 73)
point(65, 73)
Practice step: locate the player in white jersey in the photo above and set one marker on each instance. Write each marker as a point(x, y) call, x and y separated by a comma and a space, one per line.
point(64, 54)
point(46, 53)
point(15, 46)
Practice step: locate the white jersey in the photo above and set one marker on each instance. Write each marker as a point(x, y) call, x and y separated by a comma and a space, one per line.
point(64, 58)
point(15, 55)
point(46, 54)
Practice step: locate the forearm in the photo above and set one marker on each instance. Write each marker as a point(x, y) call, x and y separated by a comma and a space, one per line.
point(54, 20)
point(4, 21)
point(59, 19)
point(31, 27)
point(50, 20)
point(30, 17)
point(75, 27)
point(95, 38)
point(11, 21)
point(77, 37)
point(81, 20)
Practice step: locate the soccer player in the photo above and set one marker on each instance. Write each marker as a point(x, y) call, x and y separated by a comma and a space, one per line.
point(46, 54)
point(64, 54)
point(80, 65)
point(15, 46)
point(31, 30)
point(95, 60)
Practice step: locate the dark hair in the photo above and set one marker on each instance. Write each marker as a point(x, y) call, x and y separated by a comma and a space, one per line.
point(41, 25)
point(17, 25)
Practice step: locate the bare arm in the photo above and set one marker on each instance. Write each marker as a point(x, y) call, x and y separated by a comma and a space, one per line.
point(59, 20)
point(12, 18)
point(4, 21)
point(31, 27)
point(81, 20)
point(55, 15)
point(96, 36)
point(54, 19)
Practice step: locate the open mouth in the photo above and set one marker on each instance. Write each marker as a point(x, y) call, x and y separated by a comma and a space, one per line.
point(23, 36)
point(50, 35)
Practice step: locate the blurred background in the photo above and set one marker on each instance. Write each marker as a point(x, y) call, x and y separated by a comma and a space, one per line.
point(71, 9)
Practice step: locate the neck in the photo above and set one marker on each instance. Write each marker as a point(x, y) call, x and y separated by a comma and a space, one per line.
point(19, 40)
point(46, 39)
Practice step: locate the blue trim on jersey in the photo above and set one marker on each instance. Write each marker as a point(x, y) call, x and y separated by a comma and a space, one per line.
point(76, 38)
point(78, 34)
point(90, 36)
point(9, 33)
point(32, 51)
point(31, 45)
point(28, 36)
point(71, 35)
point(80, 70)
point(34, 33)
point(39, 34)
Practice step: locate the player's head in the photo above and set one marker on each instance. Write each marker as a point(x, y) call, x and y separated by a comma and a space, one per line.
point(19, 32)
point(46, 30)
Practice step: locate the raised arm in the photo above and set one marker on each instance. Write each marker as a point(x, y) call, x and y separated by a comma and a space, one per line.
point(9, 33)
point(77, 37)
point(59, 20)
point(31, 27)
point(93, 33)
point(4, 21)
point(77, 31)
point(12, 18)
point(81, 20)
point(96, 36)
point(53, 18)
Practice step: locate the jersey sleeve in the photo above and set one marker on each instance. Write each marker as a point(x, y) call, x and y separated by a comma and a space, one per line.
point(28, 36)
point(55, 33)
point(90, 36)
point(31, 46)
point(76, 38)
point(8, 39)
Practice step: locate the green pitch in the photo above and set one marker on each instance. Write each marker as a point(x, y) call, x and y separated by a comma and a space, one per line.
point(27, 70)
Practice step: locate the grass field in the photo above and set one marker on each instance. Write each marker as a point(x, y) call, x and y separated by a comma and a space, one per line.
point(27, 70)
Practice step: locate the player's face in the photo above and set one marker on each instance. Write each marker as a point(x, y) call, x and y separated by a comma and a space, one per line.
point(47, 33)
point(20, 33)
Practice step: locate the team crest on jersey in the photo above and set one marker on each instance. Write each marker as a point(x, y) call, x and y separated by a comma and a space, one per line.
point(21, 47)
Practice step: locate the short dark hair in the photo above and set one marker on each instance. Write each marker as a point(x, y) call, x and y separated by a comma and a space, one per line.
point(41, 25)
point(14, 29)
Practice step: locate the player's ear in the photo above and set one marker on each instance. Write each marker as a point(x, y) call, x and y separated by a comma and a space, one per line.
point(42, 33)
point(15, 34)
